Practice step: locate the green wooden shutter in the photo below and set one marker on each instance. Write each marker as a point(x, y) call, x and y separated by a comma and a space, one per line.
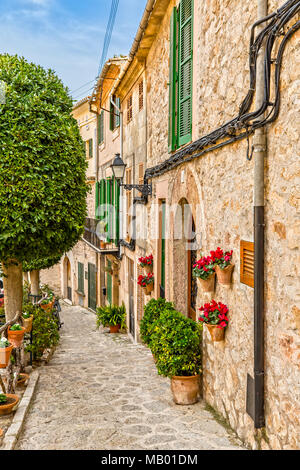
point(112, 117)
point(172, 82)
point(185, 64)
point(108, 211)
point(109, 283)
point(97, 200)
point(91, 148)
point(117, 117)
point(101, 128)
point(117, 212)
point(80, 278)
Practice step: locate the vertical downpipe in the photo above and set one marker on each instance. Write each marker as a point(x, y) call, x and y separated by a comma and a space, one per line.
point(260, 153)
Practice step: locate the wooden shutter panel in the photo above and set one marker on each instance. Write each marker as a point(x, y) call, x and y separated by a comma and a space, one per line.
point(117, 212)
point(108, 211)
point(111, 117)
point(97, 200)
point(91, 148)
point(172, 82)
point(247, 263)
point(141, 173)
point(101, 128)
point(80, 278)
point(185, 72)
point(117, 116)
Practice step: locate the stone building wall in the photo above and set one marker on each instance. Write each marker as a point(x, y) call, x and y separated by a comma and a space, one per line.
point(52, 278)
point(222, 184)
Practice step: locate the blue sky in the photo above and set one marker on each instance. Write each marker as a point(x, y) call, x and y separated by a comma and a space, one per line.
point(67, 35)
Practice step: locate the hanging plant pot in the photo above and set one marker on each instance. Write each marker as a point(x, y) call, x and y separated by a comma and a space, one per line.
point(8, 407)
point(114, 329)
point(217, 334)
point(149, 288)
point(5, 356)
point(148, 268)
point(16, 337)
point(224, 275)
point(208, 285)
point(27, 323)
point(185, 390)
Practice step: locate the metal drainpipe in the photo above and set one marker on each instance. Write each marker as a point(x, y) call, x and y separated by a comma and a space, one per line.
point(121, 154)
point(260, 153)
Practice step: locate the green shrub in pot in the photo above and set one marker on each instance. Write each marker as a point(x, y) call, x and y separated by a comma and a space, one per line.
point(176, 344)
point(152, 312)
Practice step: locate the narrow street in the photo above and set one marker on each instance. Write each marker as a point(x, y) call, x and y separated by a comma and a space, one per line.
point(101, 392)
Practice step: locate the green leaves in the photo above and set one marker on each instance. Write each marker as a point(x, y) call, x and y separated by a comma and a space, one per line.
point(176, 344)
point(111, 315)
point(42, 165)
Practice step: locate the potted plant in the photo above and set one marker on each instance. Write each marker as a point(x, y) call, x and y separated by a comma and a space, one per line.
point(7, 403)
point(176, 344)
point(22, 379)
point(5, 351)
point(47, 304)
point(27, 319)
point(147, 283)
point(223, 266)
point(214, 316)
point(204, 271)
point(15, 335)
point(112, 316)
point(147, 263)
point(152, 311)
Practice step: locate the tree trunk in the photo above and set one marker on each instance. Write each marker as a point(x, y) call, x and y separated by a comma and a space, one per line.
point(25, 277)
point(13, 288)
point(35, 282)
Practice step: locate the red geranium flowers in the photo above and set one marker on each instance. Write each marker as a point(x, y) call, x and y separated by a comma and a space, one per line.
point(143, 281)
point(220, 258)
point(146, 261)
point(204, 267)
point(215, 314)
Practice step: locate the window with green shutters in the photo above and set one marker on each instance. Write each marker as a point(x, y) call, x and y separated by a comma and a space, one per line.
point(101, 128)
point(107, 202)
point(114, 118)
point(81, 278)
point(181, 75)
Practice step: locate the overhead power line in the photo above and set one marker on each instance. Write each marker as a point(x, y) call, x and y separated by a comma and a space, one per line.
point(109, 30)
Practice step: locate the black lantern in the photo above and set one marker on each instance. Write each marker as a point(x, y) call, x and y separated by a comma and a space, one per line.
point(118, 168)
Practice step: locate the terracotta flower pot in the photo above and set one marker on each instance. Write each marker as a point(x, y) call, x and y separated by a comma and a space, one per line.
point(16, 337)
point(149, 288)
point(114, 329)
point(224, 275)
point(7, 408)
point(47, 307)
point(148, 268)
point(217, 334)
point(27, 323)
point(185, 390)
point(208, 285)
point(4, 356)
point(22, 380)
point(102, 245)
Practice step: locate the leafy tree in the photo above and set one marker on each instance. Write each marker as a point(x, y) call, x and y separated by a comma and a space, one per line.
point(42, 172)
